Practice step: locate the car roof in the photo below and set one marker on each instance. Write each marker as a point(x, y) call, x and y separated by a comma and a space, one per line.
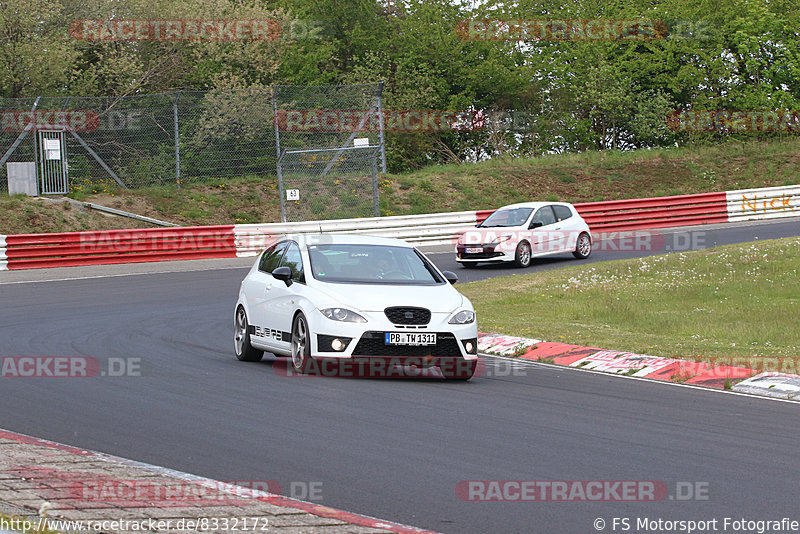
point(537, 204)
point(346, 239)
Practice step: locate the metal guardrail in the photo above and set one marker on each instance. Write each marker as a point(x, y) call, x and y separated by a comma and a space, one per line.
point(159, 244)
point(429, 229)
point(121, 213)
point(33, 251)
point(763, 203)
point(658, 212)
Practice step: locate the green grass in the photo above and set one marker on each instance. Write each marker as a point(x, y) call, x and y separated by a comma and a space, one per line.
point(595, 176)
point(585, 177)
point(737, 300)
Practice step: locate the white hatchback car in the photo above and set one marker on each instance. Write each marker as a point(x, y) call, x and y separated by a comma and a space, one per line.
point(329, 297)
point(519, 232)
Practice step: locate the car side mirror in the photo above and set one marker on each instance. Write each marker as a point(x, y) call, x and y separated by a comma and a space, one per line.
point(450, 276)
point(284, 274)
point(535, 224)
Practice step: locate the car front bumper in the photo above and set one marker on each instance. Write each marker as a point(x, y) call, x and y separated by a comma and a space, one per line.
point(367, 340)
point(489, 253)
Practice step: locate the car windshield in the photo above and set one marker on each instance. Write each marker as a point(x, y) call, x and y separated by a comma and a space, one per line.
point(507, 217)
point(371, 264)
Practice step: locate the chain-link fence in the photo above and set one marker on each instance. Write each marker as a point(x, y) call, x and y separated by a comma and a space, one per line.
point(182, 137)
point(139, 141)
point(330, 183)
point(330, 138)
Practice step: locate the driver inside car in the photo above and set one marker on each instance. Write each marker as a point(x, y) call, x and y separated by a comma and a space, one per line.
point(383, 264)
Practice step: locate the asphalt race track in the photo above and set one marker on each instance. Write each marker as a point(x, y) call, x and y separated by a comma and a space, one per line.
point(394, 449)
point(638, 244)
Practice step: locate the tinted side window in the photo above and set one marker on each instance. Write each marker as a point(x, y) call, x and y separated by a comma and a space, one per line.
point(271, 257)
point(294, 261)
point(562, 213)
point(544, 215)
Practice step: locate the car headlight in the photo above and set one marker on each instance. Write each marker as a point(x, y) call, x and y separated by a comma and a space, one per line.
point(463, 317)
point(343, 314)
point(501, 239)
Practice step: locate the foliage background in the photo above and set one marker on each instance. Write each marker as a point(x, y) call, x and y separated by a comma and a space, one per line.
point(573, 96)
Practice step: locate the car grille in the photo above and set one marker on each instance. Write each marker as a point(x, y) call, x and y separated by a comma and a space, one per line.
point(408, 315)
point(480, 255)
point(373, 344)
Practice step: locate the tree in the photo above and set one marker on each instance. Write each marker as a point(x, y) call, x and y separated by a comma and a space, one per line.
point(36, 55)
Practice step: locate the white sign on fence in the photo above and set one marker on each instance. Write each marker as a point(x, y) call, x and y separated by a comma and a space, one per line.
point(52, 148)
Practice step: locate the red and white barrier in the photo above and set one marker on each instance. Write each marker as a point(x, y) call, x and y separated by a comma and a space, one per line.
point(764, 203)
point(161, 244)
point(644, 213)
point(3, 262)
point(32, 251)
point(660, 212)
point(773, 377)
point(687, 210)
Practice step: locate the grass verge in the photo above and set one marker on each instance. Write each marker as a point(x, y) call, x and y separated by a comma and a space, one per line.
point(736, 300)
point(585, 177)
point(24, 215)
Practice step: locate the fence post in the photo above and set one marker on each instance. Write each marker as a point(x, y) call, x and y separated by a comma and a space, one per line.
point(375, 194)
point(278, 151)
point(177, 141)
point(380, 127)
point(21, 136)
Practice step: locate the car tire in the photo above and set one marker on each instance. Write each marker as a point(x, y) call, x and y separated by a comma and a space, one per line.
point(241, 339)
point(301, 344)
point(522, 256)
point(583, 246)
point(459, 370)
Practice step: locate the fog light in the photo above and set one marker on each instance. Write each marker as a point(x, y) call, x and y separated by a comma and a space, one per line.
point(470, 345)
point(337, 344)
